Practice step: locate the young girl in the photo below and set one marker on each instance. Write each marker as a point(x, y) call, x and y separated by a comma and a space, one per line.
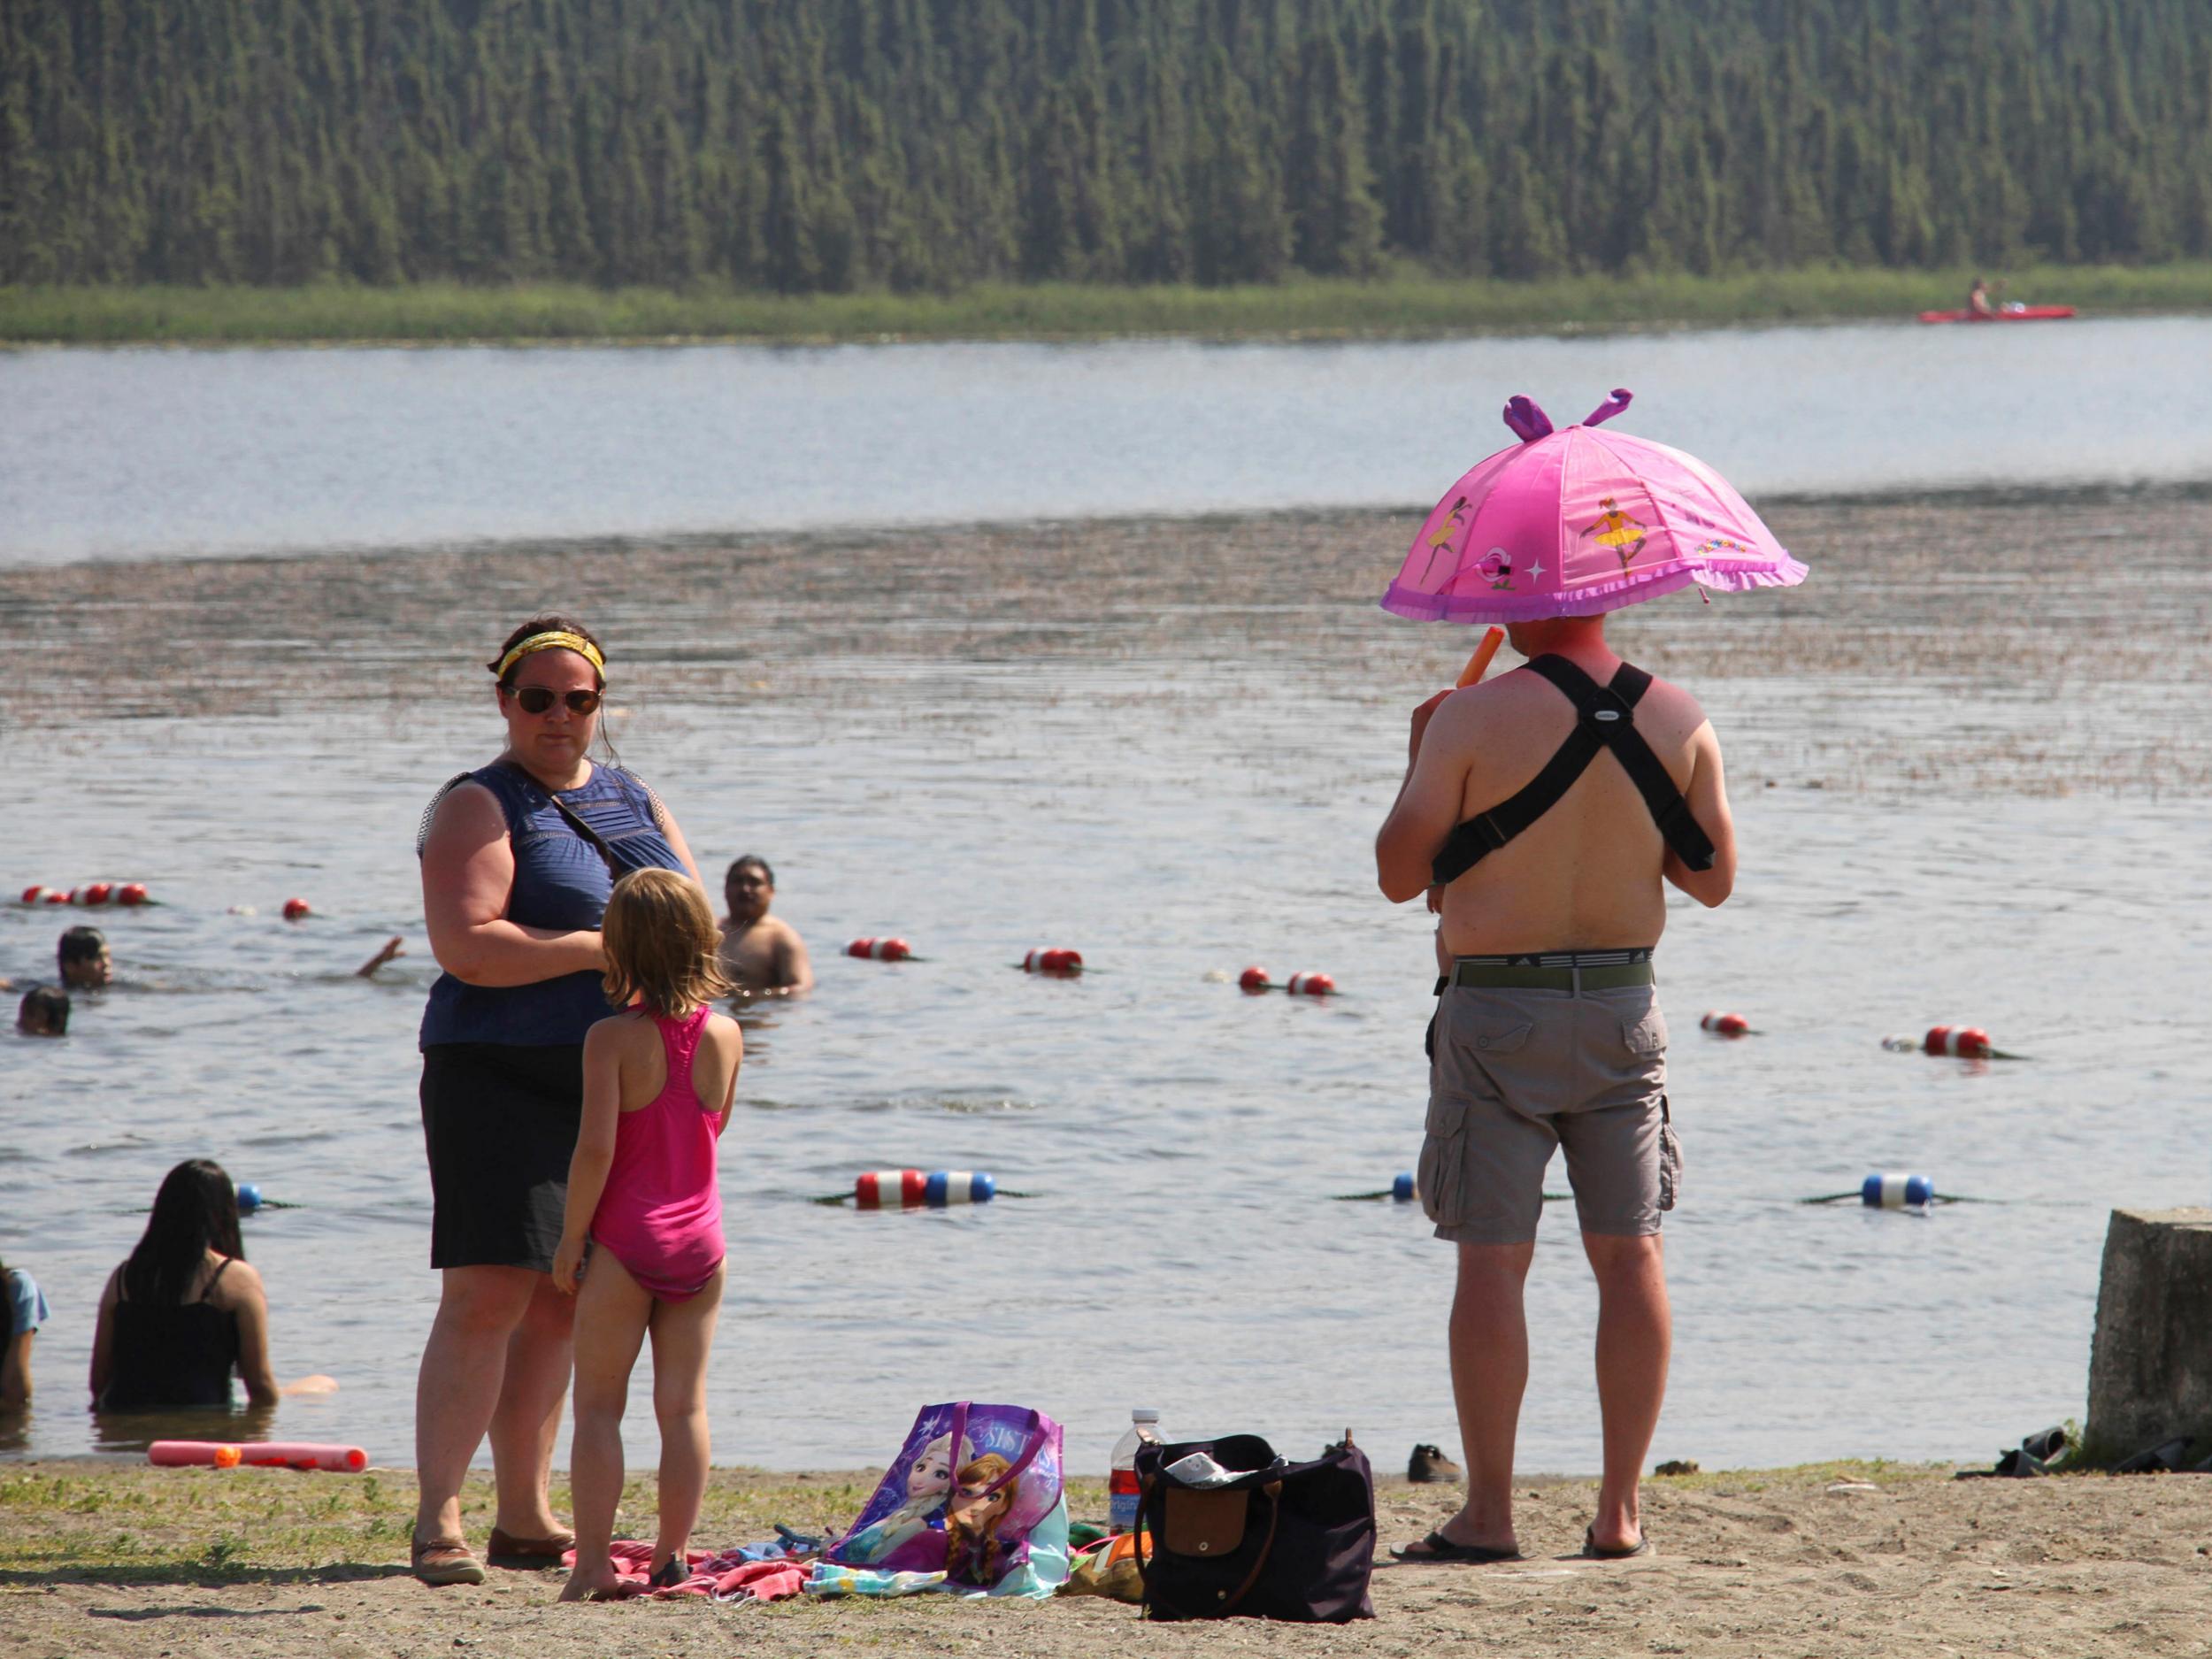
point(658, 1080)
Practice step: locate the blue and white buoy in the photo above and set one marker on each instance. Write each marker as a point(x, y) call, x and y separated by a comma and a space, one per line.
point(957, 1186)
point(1401, 1187)
point(249, 1198)
point(1895, 1191)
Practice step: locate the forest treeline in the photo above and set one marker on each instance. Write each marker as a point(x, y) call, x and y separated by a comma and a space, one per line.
point(828, 145)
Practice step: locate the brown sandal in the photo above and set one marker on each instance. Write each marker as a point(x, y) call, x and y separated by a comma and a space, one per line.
point(444, 1560)
point(504, 1549)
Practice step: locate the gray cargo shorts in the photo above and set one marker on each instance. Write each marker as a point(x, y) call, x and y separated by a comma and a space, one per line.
point(1517, 1072)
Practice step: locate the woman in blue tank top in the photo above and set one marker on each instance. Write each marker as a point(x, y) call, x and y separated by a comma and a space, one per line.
point(518, 859)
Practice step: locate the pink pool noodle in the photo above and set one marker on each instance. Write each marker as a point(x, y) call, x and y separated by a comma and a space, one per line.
point(260, 1454)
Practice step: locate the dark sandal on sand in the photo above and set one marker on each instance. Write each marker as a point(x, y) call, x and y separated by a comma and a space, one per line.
point(504, 1549)
point(1592, 1550)
point(444, 1560)
point(1437, 1548)
point(668, 1575)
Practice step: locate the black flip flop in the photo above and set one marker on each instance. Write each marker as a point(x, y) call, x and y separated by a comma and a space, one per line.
point(1592, 1550)
point(1439, 1548)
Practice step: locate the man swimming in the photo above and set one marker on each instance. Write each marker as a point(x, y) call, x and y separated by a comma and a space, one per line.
point(763, 953)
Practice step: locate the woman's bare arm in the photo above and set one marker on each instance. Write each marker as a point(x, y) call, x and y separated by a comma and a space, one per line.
point(241, 1293)
point(468, 868)
point(676, 842)
point(104, 1335)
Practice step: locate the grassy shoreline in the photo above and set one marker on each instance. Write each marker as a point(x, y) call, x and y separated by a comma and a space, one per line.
point(120, 1519)
point(1401, 306)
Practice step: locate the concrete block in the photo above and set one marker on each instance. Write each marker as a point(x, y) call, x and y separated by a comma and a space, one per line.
point(2150, 1362)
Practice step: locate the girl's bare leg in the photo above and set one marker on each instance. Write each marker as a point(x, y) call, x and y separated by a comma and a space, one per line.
point(612, 1313)
point(683, 1332)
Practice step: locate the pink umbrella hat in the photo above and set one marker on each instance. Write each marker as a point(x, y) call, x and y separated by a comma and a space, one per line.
point(1569, 523)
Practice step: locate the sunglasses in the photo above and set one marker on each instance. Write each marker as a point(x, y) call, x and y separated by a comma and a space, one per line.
point(539, 699)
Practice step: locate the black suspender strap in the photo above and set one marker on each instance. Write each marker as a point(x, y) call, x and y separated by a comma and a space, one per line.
point(1604, 719)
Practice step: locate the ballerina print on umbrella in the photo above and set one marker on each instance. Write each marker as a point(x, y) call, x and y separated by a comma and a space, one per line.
point(1617, 530)
point(1440, 539)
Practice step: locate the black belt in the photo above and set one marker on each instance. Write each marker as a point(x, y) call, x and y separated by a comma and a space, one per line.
point(1610, 976)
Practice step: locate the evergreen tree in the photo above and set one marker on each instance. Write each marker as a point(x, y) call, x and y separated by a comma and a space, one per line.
point(841, 144)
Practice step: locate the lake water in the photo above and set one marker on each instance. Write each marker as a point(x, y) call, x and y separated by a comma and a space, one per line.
point(145, 453)
point(1968, 764)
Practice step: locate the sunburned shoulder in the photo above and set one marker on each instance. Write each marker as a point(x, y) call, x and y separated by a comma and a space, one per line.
point(1668, 706)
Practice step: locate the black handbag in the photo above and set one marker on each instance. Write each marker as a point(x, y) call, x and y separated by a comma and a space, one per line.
point(1287, 1540)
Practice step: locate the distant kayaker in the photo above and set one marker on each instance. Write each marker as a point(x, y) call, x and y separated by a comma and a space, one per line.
point(1977, 301)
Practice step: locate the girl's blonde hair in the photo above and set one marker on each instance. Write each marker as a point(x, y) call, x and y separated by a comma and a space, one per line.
point(662, 946)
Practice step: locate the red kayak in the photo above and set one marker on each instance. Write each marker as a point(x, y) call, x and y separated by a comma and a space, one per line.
point(2016, 314)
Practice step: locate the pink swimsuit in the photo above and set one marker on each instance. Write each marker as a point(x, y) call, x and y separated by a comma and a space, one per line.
point(661, 1212)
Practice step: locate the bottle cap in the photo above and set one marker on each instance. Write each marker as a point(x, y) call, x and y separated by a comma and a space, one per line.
point(1145, 1414)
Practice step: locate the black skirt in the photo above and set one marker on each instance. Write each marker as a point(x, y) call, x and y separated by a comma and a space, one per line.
point(500, 1124)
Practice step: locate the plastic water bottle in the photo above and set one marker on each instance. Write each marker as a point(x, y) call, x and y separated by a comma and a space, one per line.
point(1121, 1477)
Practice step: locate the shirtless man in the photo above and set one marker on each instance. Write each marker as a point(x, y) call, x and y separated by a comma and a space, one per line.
point(1549, 1033)
point(763, 953)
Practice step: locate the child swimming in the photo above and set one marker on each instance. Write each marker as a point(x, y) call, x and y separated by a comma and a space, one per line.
point(658, 1080)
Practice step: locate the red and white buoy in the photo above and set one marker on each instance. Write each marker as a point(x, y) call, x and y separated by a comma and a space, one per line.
point(1255, 979)
point(879, 949)
point(1959, 1042)
point(1053, 961)
point(95, 893)
point(1309, 985)
point(33, 894)
point(55, 895)
point(131, 892)
point(297, 910)
point(1725, 1024)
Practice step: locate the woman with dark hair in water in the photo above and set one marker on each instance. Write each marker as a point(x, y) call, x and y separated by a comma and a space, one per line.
point(518, 859)
point(184, 1310)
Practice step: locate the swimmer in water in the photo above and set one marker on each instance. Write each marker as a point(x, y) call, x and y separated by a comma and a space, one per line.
point(367, 970)
point(763, 954)
point(43, 1012)
point(84, 960)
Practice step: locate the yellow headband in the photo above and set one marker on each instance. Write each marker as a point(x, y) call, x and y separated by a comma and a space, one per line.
point(559, 641)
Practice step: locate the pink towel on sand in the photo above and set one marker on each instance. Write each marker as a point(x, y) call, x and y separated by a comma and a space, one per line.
point(727, 1577)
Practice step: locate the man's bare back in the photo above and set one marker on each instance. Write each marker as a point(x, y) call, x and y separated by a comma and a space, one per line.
point(1586, 875)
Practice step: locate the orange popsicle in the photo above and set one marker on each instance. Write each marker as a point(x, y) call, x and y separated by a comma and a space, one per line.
point(1478, 665)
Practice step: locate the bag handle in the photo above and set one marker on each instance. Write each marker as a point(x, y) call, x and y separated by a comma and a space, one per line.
point(575, 819)
point(1031, 1444)
point(1274, 1491)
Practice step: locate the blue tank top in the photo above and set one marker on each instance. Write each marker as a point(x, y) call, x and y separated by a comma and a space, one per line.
point(560, 882)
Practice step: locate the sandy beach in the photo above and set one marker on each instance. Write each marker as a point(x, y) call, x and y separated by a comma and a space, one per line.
point(112, 1557)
